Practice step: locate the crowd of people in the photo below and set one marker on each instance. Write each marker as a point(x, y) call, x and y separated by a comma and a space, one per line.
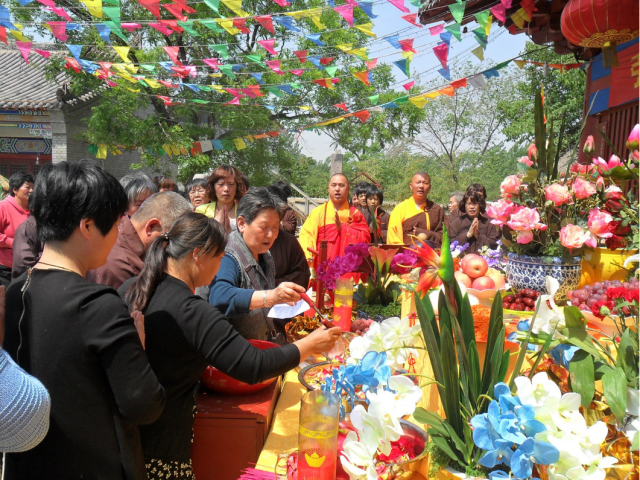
point(119, 294)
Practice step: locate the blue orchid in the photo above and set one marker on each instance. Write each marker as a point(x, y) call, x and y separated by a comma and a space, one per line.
point(562, 354)
point(500, 454)
point(485, 432)
point(530, 452)
point(523, 326)
point(500, 474)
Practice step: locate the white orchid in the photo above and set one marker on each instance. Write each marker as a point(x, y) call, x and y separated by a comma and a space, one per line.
point(383, 406)
point(549, 317)
point(538, 391)
point(356, 459)
point(407, 395)
point(566, 414)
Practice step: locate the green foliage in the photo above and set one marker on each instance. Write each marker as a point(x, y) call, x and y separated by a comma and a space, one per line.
point(438, 459)
point(387, 311)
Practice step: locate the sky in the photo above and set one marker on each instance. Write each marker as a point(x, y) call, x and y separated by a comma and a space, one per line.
point(424, 65)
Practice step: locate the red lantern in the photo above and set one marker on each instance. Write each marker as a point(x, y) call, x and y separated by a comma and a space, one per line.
point(600, 24)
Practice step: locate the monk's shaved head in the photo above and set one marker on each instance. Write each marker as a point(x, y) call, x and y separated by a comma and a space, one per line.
point(339, 175)
point(338, 189)
point(420, 186)
point(421, 174)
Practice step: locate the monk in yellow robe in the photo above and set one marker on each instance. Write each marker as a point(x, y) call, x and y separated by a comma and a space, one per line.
point(416, 215)
point(335, 221)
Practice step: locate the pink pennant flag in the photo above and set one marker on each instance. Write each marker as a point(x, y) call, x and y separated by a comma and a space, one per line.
point(112, 84)
point(44, 53)
point(61, 12)
point(437, 30)
point(193, 70)
point(212, 62)
point(442, 52)
point(297, 72)
point(353, 3)
point(105, 65)
point(173, 54)
point(282, 3)
point(266, 22)
point(506, 3)
point(3, 35)
point(275, 66)
point(235, 101)
point(411, 18)
point(131, 27)
point(499, 12)
point(371, 64)
point(25, 49)
point(161, 28)
point(48, 3)
point(235, 92)
point(268, 46)
point(58, 30)
point(248, 92)
point(346, 11)
point(400, 5)
point(407, 45)
point(409, 86)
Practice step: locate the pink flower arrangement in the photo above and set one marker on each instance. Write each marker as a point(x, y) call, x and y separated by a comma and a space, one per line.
point(634, 138)
point(500, 211)
point(583, 188)
point(511, 185)
point(604, 167)
point(589, 145)
point(574, 236)
point(598, 223)
point(558, 194)
point(524, 220)
point(526, 161)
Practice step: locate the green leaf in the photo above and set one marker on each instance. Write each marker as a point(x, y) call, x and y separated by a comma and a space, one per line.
point(474, 370)
point(433, 346)
point(504, 366)
point(451, 400)
point(574, 318)
point(628, 357)
point(444, 446)
point(582, 375)
point(600, 368)
point(466, 321)
point(614, 385)
point(540, 131)
point(580, 339)
point(622, 173)
point(444, 315)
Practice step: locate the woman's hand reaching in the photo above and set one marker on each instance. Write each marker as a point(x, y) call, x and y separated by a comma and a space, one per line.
point(318, 341)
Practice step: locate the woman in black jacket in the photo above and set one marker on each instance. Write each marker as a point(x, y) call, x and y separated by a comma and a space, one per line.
point(473, 226)
point(185, 334)
point(78, 338)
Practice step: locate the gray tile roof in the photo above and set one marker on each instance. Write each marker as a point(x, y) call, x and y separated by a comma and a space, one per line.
point(25, 86)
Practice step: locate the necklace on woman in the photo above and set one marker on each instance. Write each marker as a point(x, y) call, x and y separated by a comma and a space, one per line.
point(57, 266)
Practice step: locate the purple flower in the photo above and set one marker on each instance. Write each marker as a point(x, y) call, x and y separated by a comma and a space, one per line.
point(360, 249)
point(402, 262)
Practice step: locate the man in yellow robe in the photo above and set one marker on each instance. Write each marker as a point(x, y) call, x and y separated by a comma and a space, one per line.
point(416, 215)
point(335, 221)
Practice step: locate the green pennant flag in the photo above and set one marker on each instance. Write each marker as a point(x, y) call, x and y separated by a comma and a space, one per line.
point(454, 28)
point(197, 100)
point(147, 67)
point(483, 18)
point(113, 13)
point(331, 71)
point(205, 88)
point(481, 37)
point(112, 2)
point(93, 149)
point(295, 85)
point(227, 144)
point(227, 70)
point(374, 99)
point(116, 29)
point(457, 11)
point(257, 59)
point(276, 91)
point(212, 25)
point(188, 26)
point(502, 65)
point(213, 5)
point(142, 82)
point(415, 3)
point(222, 50)
point(401, 100)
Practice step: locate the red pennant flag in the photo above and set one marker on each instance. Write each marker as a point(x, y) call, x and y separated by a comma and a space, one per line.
point(181, 71)
point(408, 86)
point(326, 61)
point(363, 76)
point(173, 25)
point(44, 53)
point(58, 29)
point(167, 84)
point(184, 6)
point(499, 12)
point(323, 83)
point(297, 72)
point(72, 63)
point(512, 29)
point(266, 22)
point(111, 84)
point(268, 45)
point(342, 106)
point(411, 18)
point(235, 101)
point(371, 64)
point(256, 90)
point(275, 66)
point(273, 134)
point(3, 35)
point(176, 11)
point(449, 91)
point(459, 83)
point(173, 54)
point(302, 55)
point(161, 28)
point(212, 62)
point(442, 52)
point(235, 92)
point(363, 115)
point(105, 65)
point(166, 100)
point(196, 148)
point(239, 23)
point(152, 5)
point(407, 45)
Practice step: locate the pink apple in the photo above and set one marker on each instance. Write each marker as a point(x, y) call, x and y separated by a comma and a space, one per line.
point(463, 278)
point(474, 265)
point(483, 283)
point(497, 278)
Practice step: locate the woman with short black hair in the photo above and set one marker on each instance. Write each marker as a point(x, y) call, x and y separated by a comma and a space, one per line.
point(164, 183)
point(226, 186)
point(375, 197)
point(138, 187)
point(184, 334)
point(14, 211)
point(197, 192)
point(78, 337)
point(473, 226)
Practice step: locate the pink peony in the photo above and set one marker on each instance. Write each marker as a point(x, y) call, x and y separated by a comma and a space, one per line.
point(583, 188)
point(605, 167)
point(599, 223)
point(524, 218)
point(558, 194)
point(500, 211)
point(589, 145)
point(526, 161)
point(532, 152)
point(511, 185)
point(573, 236)
point(634, 137)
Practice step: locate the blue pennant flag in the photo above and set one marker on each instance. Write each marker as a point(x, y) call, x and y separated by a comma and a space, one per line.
point(192, 86)
point(258, 77)
point(74, 26)
point(390, 105)
point(404, 66)
point(166, 65)
point(393, 40)
point(217, 144)
point(316, 61)
point(75, 51)
point(367, 7)
point(445, 73)
point(331, 3)
point(446, 37)
point(492, 72)
point(103, 31)
point(315, 38)
point(5, 18)
point(270, 107)
point(87, 65)
point(286, 88)
point(25, 2)
point(237, 68)
point(286, 22)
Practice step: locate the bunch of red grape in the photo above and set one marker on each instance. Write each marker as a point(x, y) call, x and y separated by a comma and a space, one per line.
point(360, 325)
point(589, 295)
point(524, 301)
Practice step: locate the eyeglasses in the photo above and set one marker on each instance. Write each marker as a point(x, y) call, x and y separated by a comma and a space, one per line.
point(201, 191)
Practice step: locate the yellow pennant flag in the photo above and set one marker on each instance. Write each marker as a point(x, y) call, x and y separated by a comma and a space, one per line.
point(218, 88)
point(329, 122)
point(131, 68)
point(408, 55)
point(314, 15)
point(18, 33)
point(305, 108)
point(215, 75)
point(520, 63)
point(94, 7)
point(487, 29)
point(250, 138)
point(102, 151)
point(239, 143)
point(123, 52)
point(431, 95)
point(168, 149)
point(235, 6)
point(129, 78)
point(298, 14)
point(359, 52)
point(136, 90)
point(152, 83)
point(367, 28)
point(418, 101)
point(227, 24)
point(345, 47)
point(519, 17)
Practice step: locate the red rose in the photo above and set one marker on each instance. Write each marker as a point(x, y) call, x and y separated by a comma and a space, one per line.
point(613, 205)
point(617, 228)
point(614, 293)
point(632, 295)
point(614, 242)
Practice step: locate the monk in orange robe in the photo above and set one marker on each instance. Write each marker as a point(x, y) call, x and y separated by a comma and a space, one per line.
point(335, 221)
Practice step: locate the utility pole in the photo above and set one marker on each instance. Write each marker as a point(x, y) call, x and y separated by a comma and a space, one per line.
point(336, 162)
